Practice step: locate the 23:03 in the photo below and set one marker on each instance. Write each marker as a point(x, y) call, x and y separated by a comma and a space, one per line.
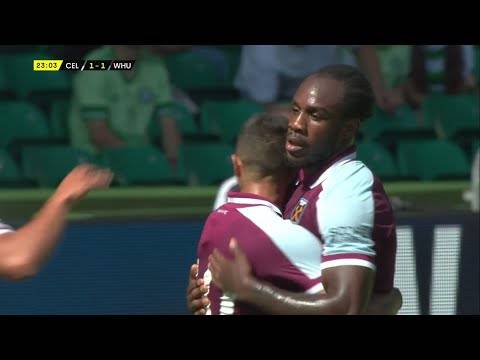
point(46, 65)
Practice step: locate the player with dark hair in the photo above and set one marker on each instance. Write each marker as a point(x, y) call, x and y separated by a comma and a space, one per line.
point(337, 198)
point(281, 252)
point(22, 252)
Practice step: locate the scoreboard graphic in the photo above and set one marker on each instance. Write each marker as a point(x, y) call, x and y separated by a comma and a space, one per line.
point(83, 65)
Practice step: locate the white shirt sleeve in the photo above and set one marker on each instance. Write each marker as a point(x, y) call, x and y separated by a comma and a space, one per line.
point(5, 228)
point(345, 217)
point(223, 191)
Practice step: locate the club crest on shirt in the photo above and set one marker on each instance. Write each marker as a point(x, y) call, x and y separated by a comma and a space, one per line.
point(298, 210)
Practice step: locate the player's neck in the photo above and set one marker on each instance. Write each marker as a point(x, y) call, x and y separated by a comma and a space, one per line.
point(319, 165)
point(267, 189)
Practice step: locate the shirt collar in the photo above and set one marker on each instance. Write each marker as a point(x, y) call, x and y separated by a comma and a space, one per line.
point(318, 176)
point(251, 199)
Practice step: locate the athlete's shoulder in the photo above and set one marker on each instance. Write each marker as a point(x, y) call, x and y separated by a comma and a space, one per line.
point(353, 174)
point(217, 223)
point(221, 214)
point(272, 224)
point(230, 216)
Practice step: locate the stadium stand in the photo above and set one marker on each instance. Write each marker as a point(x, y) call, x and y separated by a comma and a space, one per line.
point(142, 166)
point(209, 162)
point(34, 108)
point(226, 118)
point(48, 165)
point(378, 159)
point(432, 160)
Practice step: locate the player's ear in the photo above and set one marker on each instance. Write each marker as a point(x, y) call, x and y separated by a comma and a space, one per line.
point(237, 165)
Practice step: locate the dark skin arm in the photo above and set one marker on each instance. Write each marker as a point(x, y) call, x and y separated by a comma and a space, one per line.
point(369, 62)
point(348, 288)
point(171, 137)
point(380, 304)
point(385, 304)
point(102, 137)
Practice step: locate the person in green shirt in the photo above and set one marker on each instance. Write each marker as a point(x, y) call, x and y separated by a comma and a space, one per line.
point(395, 66)
point(112, 109)
point(440, 69)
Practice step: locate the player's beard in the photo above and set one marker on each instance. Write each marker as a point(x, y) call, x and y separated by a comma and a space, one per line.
point(296, 162)
point(311, 160)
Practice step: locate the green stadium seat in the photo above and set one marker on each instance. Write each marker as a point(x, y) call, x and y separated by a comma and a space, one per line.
point(9, 172)
point(59, 113)
point(389, 129)
point(457, 115)
point(3, 80)
point(226, 118)
point(372, 128)
point(378, 159)
point(208, 163)
point(4, 86)
point(191, 71)
point(21, 120)
point(233, 55)
point(432, 160)
point(142, 166)
point(48, 165)
point(27, 83)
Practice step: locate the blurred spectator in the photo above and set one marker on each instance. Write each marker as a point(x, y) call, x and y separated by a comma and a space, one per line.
point(395, 67)
point(270, 74)
point(440, 69)
point(217, 57)
point(212, 53)
point(178, 94)
point(114, 108)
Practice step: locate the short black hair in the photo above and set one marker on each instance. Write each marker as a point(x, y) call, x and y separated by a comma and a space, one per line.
point(261, 145)
point(358, 99)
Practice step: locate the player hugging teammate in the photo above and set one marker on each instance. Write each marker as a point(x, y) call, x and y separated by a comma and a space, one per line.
point(320, 240)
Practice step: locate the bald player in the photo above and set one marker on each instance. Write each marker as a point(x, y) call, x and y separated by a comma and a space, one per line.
point(337, 198)
point(22, 252)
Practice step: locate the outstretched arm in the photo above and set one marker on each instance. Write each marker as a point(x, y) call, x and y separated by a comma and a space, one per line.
point(22, 252)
